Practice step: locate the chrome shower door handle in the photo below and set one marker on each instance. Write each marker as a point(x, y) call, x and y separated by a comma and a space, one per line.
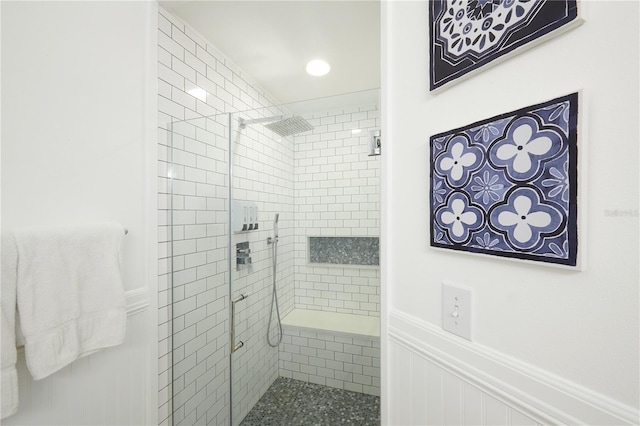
point(232, 334)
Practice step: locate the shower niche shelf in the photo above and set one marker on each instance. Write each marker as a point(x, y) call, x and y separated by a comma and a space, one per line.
point(344, 251)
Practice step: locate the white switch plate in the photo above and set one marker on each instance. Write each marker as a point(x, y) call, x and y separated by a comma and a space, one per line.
point(456, 310)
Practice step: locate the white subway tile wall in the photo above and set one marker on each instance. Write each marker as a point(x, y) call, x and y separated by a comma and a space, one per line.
point(337, 193)
point(336, 360)
point(196, 80)
point(262, 173)
point(321, 183)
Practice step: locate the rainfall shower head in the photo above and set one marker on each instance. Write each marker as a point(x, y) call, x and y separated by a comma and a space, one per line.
point(283, 127)
point(289, 126)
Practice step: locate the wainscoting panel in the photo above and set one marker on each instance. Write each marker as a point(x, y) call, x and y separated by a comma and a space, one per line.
point(400, 382)
point(435, 398)
point(419, 390)
point(108, 387)
point(427, 394)
point(438, 379)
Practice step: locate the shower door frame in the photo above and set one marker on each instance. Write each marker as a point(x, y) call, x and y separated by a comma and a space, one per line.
point(230, 261)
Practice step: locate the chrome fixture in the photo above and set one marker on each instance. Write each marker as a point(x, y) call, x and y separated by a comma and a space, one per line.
point(232, 332)
point(290, 126)
point(243, 123)
point(274, 296)
point(275, 230)
point(279, 125)
point(375, 142)
point(243, 255)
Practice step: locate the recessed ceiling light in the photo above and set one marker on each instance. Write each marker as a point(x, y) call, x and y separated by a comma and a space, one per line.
point(318, 67)
point(356, 131)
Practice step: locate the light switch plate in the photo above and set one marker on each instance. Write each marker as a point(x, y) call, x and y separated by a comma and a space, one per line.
point(456, 310)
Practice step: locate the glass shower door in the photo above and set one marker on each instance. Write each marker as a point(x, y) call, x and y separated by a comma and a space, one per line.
point(261, 190)
point(223, 179)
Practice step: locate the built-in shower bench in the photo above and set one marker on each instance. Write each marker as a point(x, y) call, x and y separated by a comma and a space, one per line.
point(332, 349)
point(335, 322)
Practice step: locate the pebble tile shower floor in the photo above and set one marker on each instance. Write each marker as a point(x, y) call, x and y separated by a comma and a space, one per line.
point(293, 402)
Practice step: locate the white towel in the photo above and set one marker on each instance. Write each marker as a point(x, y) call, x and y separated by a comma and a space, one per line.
point(70, 294)
point(9, 379)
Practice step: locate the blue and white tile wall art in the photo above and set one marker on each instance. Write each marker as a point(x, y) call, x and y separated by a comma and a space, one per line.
point(467, 35)
point(507, 186)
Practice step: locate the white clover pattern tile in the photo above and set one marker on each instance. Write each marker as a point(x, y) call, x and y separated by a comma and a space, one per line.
point(468, 34)
point(507, 186)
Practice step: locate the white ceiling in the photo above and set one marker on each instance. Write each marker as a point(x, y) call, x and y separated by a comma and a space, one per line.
point(272, 41)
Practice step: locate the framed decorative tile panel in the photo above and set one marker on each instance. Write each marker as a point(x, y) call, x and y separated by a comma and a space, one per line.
point(467, 35)
point(507, 186)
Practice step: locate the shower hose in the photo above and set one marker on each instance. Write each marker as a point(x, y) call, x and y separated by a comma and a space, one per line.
point(274, 298)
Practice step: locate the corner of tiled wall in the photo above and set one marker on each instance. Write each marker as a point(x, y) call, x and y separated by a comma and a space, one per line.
point(337, 193)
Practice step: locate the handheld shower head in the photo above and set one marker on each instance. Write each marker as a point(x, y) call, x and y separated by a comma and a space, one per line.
point(275, 225)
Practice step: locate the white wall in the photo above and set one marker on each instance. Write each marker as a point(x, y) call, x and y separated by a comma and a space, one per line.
point(77, 88)
point(560, 345)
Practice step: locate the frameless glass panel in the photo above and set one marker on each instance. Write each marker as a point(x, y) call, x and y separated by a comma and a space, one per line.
point(262, 189)
point(196, 178)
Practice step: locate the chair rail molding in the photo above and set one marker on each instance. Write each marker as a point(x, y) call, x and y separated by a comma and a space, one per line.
point(136, 300)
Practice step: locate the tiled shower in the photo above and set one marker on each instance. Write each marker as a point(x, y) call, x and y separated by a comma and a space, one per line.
point(324, 186)
point(337, 192)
